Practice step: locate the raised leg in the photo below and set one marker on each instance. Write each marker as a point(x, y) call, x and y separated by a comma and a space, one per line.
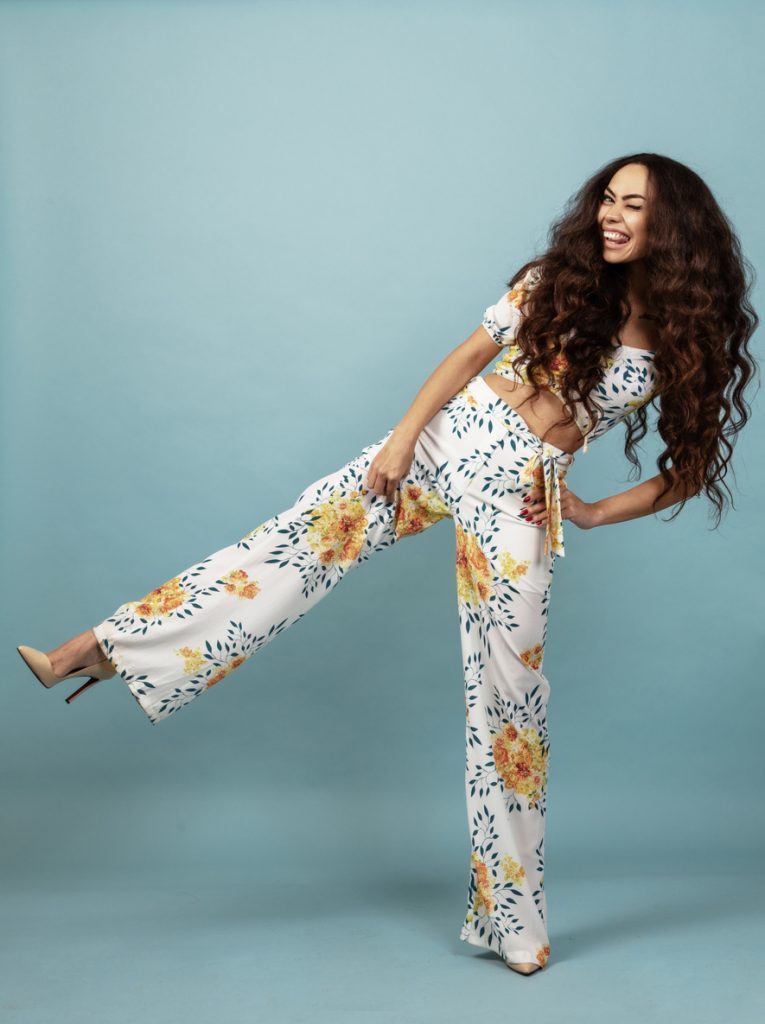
point(77, 652)
point(186, 635)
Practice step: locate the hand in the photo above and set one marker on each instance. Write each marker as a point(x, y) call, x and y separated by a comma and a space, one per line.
point(389, 466)
point(583, 514)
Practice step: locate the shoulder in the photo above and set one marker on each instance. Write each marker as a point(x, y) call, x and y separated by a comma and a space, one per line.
point(503, 319)
point(523, 282)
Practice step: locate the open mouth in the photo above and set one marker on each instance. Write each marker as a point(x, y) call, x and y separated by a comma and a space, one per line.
point(615, 239)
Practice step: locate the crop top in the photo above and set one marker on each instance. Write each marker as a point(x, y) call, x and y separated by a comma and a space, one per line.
point(629, 376)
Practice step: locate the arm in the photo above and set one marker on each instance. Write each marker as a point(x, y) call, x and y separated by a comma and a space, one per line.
point(498, 328)
point(393, 461)
point(449, 377)
point(617, 508)
point(637, 501)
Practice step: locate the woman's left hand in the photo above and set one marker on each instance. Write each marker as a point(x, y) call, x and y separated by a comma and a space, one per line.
point(581, 513)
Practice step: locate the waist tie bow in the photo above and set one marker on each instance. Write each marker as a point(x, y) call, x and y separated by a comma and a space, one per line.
point(552, 464)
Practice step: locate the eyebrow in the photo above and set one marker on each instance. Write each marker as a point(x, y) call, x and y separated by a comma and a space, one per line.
point(632, 195)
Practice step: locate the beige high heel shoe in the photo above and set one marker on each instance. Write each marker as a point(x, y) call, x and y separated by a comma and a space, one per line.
point(39, 663)
point(524, 968)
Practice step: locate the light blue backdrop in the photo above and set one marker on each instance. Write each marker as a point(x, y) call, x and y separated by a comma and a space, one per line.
point(236, 238)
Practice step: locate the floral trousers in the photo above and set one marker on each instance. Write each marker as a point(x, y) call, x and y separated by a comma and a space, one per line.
point(473, 463)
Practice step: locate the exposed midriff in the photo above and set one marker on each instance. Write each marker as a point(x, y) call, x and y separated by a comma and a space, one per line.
point(539, 413)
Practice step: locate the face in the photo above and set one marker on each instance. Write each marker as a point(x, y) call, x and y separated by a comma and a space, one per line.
point(623, 209)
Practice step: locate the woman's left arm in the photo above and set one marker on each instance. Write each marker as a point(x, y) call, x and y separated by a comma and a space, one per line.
point(617, 508)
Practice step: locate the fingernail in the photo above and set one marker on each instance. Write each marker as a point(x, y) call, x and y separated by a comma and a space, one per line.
point(525, 499)
point(523, 513)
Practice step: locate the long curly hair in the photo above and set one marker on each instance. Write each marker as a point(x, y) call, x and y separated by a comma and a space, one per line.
point(698, 288)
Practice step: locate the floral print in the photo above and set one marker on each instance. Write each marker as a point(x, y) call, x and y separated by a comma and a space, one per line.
point(629, 375)
point(473, 570)
point(336, 529)
point(473, 463)
point(417, 509)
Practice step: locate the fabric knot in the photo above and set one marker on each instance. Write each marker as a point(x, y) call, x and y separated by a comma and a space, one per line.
point(554, 466)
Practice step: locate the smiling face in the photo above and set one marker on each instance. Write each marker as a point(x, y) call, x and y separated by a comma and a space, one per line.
point(623, 211)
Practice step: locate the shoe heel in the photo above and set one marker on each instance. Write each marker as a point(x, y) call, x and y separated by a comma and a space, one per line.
point(79, 690)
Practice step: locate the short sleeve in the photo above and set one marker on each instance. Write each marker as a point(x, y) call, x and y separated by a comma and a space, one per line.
point(503, 319)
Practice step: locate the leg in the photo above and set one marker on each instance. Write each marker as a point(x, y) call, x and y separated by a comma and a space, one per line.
point(503, 583)
point(77, 652)
point(189, 633)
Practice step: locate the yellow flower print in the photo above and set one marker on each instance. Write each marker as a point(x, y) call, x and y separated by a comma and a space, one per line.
point(238, 583)
point(224, 670)
point(473, 569)
point(337, 534)
point(193, 660)
point(162, 600)
point(543, 955)
point(512, 870)
point(517, 294)
point(520, 760)
point(512, 569)
point(253, 533)
point(555, 524)
point(557, 369)
point(505, 363)
point(417, 510)
point(484, 885)
point(464, 392)
point(533, 656)
point(635, 403)
point(533, 472)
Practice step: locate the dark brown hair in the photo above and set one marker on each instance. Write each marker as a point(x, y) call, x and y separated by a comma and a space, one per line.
point(697, 287)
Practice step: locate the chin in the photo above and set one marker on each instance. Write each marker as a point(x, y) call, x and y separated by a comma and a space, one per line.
point(616, 257)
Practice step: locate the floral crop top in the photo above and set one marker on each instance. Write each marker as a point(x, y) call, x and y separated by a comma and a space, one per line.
point(629, 376)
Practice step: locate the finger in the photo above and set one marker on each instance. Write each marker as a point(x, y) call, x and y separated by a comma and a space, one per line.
point(539, 506)
point(532, 517)
point(535, 509)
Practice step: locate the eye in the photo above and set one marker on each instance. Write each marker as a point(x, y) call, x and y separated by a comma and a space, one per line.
point(629, 205)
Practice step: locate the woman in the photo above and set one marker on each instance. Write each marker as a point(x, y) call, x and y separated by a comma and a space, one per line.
point(641, 298)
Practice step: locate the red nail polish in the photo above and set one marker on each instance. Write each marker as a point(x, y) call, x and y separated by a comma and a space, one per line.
point(523, 513)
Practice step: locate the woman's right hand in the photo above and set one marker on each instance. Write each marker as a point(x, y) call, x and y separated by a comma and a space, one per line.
point(390, 466)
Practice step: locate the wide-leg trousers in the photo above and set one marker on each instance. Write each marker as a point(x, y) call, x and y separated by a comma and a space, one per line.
point(473, 463)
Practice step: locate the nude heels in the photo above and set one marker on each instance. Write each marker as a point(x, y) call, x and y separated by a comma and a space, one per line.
point(524, 968)
point(39, 663)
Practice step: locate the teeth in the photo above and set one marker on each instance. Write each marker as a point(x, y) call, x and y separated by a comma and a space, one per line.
point(615, 236)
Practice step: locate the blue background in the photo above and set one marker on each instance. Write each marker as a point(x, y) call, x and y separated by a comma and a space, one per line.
point(236, 239)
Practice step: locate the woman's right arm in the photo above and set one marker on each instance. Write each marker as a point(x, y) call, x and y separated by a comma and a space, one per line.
point(449, 377)
point(392, 462)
